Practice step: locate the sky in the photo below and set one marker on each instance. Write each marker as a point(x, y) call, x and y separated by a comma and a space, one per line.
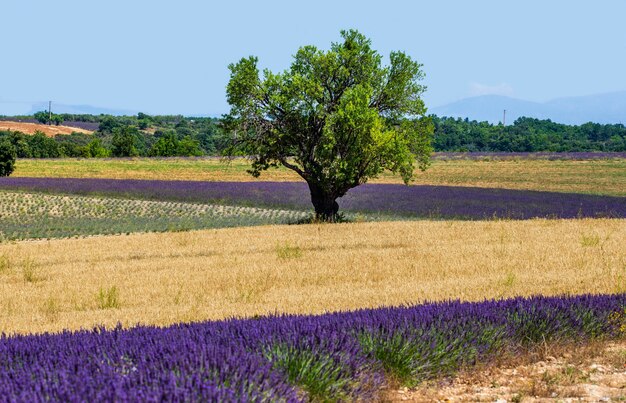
point(171, 57)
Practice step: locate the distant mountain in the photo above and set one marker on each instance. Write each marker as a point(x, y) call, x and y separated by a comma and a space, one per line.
point(601, 108)
point(80, 109)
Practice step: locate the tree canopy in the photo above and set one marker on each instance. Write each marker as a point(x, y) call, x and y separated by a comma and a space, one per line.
point(124, 142)
point(7, 158)
point(48, 118)
point(526, 135)
point(336, 117)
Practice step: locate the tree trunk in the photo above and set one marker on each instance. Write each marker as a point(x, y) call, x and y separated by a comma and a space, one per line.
point(325, 204)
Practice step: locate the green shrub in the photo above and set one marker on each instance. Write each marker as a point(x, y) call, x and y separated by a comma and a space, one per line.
point(108, 299)
point(7, 158)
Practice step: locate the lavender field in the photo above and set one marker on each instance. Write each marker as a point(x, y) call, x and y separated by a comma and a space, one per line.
point(338, 356)
point(434, 202)
point(37, 216)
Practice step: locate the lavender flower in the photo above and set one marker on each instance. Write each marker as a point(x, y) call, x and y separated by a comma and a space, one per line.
point(343, 355)
point(388, 199)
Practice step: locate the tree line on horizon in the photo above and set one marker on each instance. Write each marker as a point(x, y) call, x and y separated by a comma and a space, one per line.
point(122, 136)
point(174, 135)
point(526, 135)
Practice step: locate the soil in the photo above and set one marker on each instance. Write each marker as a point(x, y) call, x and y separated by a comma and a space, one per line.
point(594, 373)
point(31, 128)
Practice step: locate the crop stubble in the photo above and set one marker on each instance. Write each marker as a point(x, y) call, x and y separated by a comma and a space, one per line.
point(193, 276)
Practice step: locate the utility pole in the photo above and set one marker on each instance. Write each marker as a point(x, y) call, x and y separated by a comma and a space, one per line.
point(504, 118)
point(49, 112)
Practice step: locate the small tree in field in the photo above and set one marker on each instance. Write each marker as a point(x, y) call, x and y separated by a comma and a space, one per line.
point(7, 158)
point(337, 118)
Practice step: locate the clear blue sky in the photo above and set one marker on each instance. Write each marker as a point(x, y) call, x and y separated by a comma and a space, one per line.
point(172, 56)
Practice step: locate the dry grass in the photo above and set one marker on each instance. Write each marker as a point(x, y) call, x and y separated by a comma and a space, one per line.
point(192, 276)
point(592, 372)
point(48, 130)
point(606, 177)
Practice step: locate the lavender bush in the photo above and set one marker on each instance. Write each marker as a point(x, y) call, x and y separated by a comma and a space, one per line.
point(388, 199)
point(338, 356)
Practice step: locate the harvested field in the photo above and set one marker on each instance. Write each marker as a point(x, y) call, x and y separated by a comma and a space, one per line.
point(31, 128)
point(193, 276)
point(592, 176)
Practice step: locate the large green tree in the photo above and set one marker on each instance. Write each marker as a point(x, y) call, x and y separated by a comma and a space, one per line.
point(336, 117)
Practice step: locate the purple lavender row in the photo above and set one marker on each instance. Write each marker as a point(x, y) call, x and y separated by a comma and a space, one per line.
point(581, 155)
point(388, 199)
point(91, 126)
point(338, 356)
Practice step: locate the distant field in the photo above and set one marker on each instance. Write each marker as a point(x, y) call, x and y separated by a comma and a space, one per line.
point(591, 176)
point(31, 128)
point(192, 276)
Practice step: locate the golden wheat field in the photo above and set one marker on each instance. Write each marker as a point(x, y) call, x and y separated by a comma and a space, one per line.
point(164, 278)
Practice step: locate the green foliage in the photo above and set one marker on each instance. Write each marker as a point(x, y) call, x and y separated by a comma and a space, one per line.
point(188, 147)
point(19, 141)
point(168, 145)
point(414, 357)
point(108, 298)
point(108, 124)
point(526, 135)
point(48, 118)
point(95, 149)
point(209, 136)
point(7, 158)
point(194, 136)
point(337, 118)
point(42, 146)
point(173, 135)
point(73, 145)
point(319, 375)
point(143, 124)
point(125, 141)
point(143, 121)
point(56, 119)
point(41, 116)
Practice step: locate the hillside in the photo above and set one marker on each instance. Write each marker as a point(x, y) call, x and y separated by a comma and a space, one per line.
point(31, 128)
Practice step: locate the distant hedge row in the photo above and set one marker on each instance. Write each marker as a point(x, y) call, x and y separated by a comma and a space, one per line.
point(526, 135)
point(166, 136)
point(125, 136)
